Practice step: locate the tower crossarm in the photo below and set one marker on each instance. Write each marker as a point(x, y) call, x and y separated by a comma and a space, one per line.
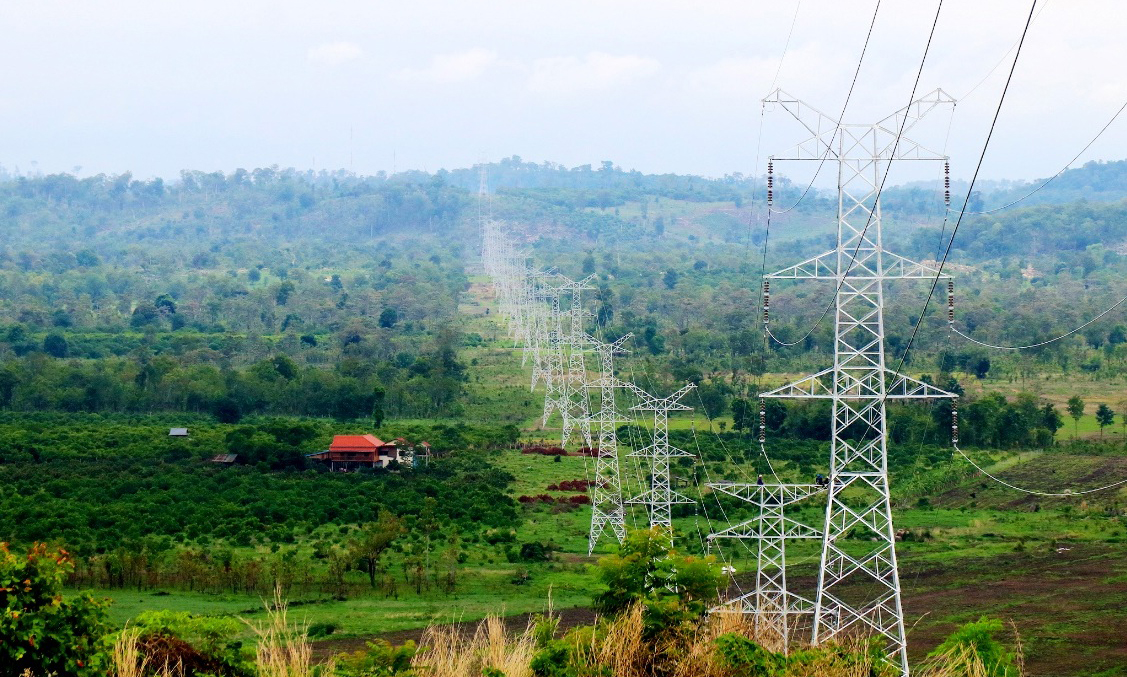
point(861, 267)
point(885, 137)
point(650, 450)
point(861, 383)
point(907, 117)
point(748, 603)
point(777, 528)
point(650, 496)
point(671, 403)
point(770, 494)
point(822, 127)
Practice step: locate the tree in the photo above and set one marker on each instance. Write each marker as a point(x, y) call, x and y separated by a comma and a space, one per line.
point(981, 367)
point(1050, 418)
point(1104, 416)
point(43, 633)
point(743, 415)
point(1075, 410)
point(282, 295)
point(378, 396)
point(389, 317)
point(672, 588)
point(55, 345)
point(670, 278)
point(374, 539)
point(977, 639)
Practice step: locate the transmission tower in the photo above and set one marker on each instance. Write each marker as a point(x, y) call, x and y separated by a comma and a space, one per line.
point(773, 605)
point(858, 582)
point(606, 491)
point(660, 497)
point(577, 408)
point(555, 385)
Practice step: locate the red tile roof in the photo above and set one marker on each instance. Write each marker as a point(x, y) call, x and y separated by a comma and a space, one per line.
point(355, 443)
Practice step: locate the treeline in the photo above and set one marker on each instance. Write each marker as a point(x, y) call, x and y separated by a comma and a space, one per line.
point(365, 382)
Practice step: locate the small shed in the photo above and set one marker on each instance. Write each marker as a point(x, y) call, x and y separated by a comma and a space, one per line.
point(225, 459)
point(177, 432)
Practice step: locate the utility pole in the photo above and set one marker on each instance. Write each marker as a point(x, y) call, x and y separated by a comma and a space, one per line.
point(858, 581)
point(607, 510)
point(660, 496)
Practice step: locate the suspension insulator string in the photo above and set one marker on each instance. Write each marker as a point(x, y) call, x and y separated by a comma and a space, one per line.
point(951, 304)
point(770, 183)
point(947, 184)
point(766, 303)
point(762, 421)
point(955, 423)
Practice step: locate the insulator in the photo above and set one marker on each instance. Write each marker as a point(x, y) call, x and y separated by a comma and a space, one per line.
point(766, 302)
point(770, 182)
point(950, 301)
point(954, 422)
point(762, 421)
point(947, 183)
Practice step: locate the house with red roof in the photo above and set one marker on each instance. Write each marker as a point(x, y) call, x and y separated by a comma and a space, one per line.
point(352, 452)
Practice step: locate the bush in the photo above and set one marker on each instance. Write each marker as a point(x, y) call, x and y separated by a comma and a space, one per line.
point(203, 644)
point(379, 659)
point(40, 631)
point(745, 658)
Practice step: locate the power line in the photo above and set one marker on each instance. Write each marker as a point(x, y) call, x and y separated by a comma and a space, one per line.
point(848, 96)
point(1062, 171)
point(1047, 342)
point(966, 200)
point(1032, 491)
point(880, 189)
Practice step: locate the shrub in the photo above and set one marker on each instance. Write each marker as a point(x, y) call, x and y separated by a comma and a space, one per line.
point(40, 631)
point(745, 658)
point(379, 659)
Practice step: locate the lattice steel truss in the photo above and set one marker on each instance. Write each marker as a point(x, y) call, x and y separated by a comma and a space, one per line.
point(773, 604)
point(575, 402)
point(607, 510)
point(858, 582)
point(660, 497)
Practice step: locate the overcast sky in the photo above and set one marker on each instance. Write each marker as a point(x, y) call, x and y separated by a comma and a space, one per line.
point(154, 87)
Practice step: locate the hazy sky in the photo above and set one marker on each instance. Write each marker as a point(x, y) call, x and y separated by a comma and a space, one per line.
point(153, 86)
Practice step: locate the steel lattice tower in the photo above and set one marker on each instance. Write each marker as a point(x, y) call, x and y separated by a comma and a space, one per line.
point(858, 581)
point(576, 411)
point(660, 497)
point(555, 386)
point(606, 491)
point(773, 604)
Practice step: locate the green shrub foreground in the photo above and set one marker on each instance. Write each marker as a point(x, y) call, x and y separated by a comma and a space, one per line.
point(654, 625)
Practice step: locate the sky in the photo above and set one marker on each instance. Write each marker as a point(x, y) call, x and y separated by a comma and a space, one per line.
point(154, 87)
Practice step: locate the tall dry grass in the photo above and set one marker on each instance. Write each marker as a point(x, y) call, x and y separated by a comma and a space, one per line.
point(283, 648)
point(450, 651)
point(619, 649)
point(128, 659)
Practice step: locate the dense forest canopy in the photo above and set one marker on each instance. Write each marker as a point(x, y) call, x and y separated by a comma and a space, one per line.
point(278, 291)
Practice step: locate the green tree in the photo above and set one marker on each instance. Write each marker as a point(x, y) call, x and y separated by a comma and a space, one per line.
point(1075, 410)
point(389, 317)
point(743, 414)
point(42, 632)
point(673, 589)
point(1104, 416)
point(374, 539)
point(55, 345)
point(670, 278)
